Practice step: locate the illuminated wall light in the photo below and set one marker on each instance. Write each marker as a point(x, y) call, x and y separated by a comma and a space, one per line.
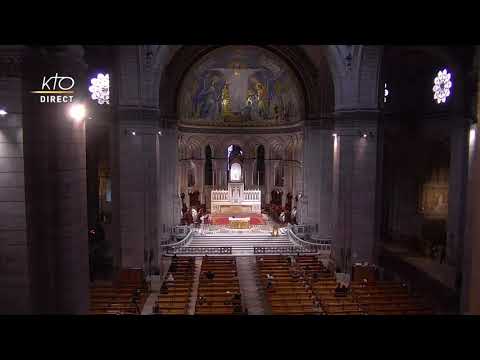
point(100, 89)
point(77, 112)
point(160, 133)
point(364, 135)
point(471, 137)
point(334, 135)
point(3, 112)
point(442, 86)
point(134, 133)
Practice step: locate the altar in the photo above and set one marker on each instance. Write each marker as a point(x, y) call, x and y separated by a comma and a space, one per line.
point(239, 223)
point(235, 200)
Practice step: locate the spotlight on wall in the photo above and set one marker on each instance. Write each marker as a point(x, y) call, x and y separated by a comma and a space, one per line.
point(77, 112)
point(133, 133)
point(365, 134)
point(3, 112)
point(160, 133)
point(471, 136)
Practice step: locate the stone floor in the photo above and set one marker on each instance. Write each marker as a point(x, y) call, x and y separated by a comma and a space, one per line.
point(251, 294)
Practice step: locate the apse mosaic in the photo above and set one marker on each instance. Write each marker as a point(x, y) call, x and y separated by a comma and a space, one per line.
point(240, 86)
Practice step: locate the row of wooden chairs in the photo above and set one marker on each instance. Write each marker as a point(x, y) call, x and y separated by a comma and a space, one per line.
point(216, 295)
point(126, 295)
point(323, 285)
point(174, 298)
point(389, 298)
point(286, 293)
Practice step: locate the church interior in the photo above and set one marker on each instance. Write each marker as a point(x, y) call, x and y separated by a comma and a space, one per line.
point(239, 180)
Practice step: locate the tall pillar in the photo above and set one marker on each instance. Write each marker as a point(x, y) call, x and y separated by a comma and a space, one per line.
point(318, 162)
point(457, 191)
point(269, 178)
point(55, 181)
point(470, 282)
point(200, 180)
point(137, 184)
point(169, 203)
point(355, 169)
point(15, 273)
point(249, 174)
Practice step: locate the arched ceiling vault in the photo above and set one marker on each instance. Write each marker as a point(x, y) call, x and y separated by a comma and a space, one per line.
point(334, 77)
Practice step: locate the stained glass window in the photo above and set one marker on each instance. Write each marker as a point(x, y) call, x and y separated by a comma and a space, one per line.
point(100, 89)
point(442, 86)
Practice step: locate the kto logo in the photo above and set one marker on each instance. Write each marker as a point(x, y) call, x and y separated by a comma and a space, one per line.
point(55, 88)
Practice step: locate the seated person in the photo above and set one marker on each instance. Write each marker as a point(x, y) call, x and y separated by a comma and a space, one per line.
point(227, 301)
point(269, 281)
point(236, 299)
point(237, 309)
point(202, 300)
point(137, 294)
point(339, 292)
point(164, 288)
point(170, 278)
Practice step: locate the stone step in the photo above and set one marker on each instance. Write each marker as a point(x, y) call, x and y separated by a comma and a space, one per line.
point(240, 238)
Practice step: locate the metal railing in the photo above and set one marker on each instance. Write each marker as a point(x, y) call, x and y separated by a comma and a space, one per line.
point(264, 250)
point(184, 241)
point(304, 232)
point(200, 250)
point(323, 245)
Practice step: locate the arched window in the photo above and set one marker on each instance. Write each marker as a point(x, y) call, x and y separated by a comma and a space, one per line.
point(208, 166)
point(236, 172)
point(260, 171)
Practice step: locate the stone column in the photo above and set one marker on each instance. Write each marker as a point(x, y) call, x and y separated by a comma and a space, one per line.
point(223, 173)
point(356, 187)
point(457, 190)
point(318, 157)
point(269, 175)
point(470, 281)
point(200, 180)
point(470, 276)
point(137, 183)
point(218, 168)
point(15, 275)
point(169, 203)
point(55, 180)
point(248, 175)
